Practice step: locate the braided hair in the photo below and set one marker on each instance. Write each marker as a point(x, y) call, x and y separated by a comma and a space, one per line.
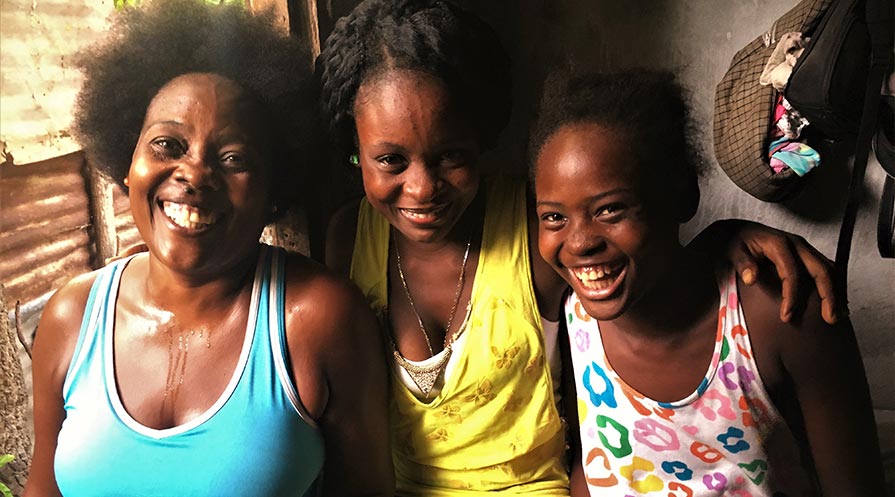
point(149, 46)
point(431, 36)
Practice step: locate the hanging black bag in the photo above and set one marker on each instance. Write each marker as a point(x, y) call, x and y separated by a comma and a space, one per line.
point(828, 82)
point(835, 84)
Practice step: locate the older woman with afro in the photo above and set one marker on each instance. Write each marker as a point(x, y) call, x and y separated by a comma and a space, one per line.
point(211, 365)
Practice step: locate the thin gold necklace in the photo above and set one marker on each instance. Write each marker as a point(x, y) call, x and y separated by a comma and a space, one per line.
point(425, 376)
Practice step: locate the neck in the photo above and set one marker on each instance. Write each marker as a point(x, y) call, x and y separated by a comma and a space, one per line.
point(683, 295)
point(167, 289)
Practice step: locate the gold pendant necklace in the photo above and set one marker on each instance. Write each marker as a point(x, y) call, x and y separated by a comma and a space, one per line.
point(425, 376)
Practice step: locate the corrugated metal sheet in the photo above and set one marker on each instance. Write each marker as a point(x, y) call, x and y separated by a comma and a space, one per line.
point(44, 226)
point(37, 82)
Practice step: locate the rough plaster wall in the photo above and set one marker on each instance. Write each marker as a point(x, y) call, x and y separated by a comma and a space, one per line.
point(698, 38)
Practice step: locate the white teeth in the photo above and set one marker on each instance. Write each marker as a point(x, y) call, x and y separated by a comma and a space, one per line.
point(187, 216)
point(422, 214)
point(599, 277)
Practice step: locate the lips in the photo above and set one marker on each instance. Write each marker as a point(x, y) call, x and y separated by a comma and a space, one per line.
point(423, 215)
point(188, 217)
point(599, 281)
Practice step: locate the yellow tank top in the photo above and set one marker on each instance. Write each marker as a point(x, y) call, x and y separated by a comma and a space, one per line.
point(494, 427)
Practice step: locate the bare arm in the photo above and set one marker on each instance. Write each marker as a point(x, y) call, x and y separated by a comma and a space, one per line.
point(340, 366)
point(824, 366)
point(747, 243)
point(54, 346)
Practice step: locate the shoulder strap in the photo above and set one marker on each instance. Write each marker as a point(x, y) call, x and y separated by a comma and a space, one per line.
point(879, 23)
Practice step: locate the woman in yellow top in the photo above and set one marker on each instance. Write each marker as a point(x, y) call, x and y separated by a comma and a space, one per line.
point(414, 91)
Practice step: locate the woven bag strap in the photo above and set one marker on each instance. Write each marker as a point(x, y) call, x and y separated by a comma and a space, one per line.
point(879, 23)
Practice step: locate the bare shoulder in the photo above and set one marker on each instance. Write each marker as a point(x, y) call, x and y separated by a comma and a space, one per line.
point(324, 304)
point(340, 237)
point(60, 324)
point(777, 344)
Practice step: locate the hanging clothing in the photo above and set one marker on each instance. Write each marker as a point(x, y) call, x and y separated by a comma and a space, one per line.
point(255, 440)
point(726, 438)
point(494, 426)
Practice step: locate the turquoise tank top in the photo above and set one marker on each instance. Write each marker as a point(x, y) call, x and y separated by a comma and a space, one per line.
point(255, 440)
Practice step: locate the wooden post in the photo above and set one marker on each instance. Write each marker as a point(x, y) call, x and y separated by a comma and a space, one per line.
point(102, 212)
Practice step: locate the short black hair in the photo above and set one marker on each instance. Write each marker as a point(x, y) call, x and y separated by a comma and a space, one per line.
point(148, 46)
point(649, 105)
point(436, 37)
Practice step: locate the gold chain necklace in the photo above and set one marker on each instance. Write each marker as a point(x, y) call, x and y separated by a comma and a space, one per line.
point(425, 376)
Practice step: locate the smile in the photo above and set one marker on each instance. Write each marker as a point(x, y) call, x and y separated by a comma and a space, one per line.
point(187, 216)
point(423, 215)
point(600, 280)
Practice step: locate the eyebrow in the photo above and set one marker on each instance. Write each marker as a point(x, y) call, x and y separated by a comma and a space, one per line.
point(166, 123)
point(591, 199)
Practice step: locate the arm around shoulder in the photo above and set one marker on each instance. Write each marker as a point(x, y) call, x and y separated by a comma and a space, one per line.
point(824, 365)
point(54, 345)
point(351, 405)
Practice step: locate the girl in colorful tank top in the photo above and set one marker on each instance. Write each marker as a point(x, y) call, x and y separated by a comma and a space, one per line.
point(687, 384)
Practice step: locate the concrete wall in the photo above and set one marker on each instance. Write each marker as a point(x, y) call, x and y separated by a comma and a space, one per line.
point(697, 38)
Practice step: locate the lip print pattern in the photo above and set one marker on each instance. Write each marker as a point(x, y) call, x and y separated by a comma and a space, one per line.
point(678, 469)
point(675, 486)
point(724, 409)
point(607, 396)
point(738, 333)
point(733, 433)
point(705, 453)
point(748, 415)
point(634, 398)
point(656, 436)
point(715, 481)
point(599, 475)
point(755, 470)
point(651, 483)
point(582, 340)
point(726, 369)
point(580, 313)
point(624, 444)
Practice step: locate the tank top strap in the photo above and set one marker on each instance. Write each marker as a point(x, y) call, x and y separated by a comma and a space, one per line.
point(276, 283)
point(737, 347)
point(96, 313)
point(369, 262)
point(505, 245)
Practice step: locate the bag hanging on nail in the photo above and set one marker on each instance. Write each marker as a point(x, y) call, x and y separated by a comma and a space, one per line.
point(817, 55)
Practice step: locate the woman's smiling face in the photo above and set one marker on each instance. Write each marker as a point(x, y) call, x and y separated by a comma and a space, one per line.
point(200, 175)
point(417, 153)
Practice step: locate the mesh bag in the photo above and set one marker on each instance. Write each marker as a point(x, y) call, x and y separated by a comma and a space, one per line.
point(743, 109)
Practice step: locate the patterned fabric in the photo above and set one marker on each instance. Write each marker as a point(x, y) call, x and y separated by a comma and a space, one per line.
point(726, 438)
point(494, 427)
point(252, 441)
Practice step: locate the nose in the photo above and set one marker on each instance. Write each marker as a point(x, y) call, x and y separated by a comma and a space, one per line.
point(585, 240)
point(195, 174)
point(422, 182)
